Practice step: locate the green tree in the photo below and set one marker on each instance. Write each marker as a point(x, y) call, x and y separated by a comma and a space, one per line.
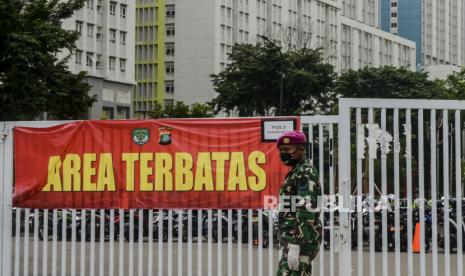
point(251, 83)
point(181, 110)
point(454, 86)
point(33, 78)
point(388, 82)
point(198, 110)
point(177, 110)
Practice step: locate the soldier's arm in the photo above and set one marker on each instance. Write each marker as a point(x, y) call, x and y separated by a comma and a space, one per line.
point(308, 188)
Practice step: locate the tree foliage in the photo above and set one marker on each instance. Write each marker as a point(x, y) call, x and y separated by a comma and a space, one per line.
point(33, 79)
point(250, 85)
point(180, 110)
point(388, 82)
point(454, 86)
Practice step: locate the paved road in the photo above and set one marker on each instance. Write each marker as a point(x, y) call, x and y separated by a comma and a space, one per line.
point(133, 266)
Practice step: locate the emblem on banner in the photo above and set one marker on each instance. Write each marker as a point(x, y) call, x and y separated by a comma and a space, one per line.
point(140, 136)
point(165, 135)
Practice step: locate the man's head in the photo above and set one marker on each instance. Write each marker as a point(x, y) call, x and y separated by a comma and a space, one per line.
point(291, 147)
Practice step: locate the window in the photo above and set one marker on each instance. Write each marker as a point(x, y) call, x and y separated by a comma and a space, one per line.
point(79, 27)
point(170, 11)
point(112, 63)
point(169, 49)
point(122, 11)
point(90, 4)
point(99, 34)
point(122, 38)
point(122, 65)
point(99, 62)
point(393, 25)
point(112, 8)
point(169, 87)
point(108, 113)
point(122, 112)
point(169, 29)
point(394, 14)
point(112, 35)
point(90, 30)
point(393, 4)
point(78, 57)
point(99, 6)
point(169, 68)
point(89, 59)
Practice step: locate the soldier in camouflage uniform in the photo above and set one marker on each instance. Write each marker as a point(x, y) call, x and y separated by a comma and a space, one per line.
point(300, 228)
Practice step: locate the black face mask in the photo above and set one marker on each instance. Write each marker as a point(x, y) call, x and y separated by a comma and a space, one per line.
point(287, 159)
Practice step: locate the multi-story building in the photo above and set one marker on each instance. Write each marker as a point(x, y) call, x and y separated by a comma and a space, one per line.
point(193, 39)
point(365, 11)
point(106, 52)
point(154, 48)
point(366, 46)
point(436, 26)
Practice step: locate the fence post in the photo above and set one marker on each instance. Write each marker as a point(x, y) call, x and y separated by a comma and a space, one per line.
point(6, 194)
point(345, 252)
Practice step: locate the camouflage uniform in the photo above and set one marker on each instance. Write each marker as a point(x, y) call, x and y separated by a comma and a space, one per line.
point(301, 227)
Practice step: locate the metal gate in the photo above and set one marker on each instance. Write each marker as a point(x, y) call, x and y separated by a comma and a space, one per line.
point(404, 159)
point(151, 242)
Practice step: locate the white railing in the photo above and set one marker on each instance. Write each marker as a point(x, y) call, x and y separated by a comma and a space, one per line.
point(243, 242)
point(420, 130)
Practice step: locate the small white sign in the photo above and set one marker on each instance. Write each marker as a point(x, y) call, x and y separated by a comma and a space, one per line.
point(272, 129)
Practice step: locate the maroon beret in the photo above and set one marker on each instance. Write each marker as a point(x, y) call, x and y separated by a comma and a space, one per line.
point(295, 137)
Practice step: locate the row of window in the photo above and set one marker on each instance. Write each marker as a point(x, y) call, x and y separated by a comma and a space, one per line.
point(148, 52)
point(122, 112)
point(113, 7)
point(99, 33)
point(148, 90)
point(99, 61)
point(149, 71)
point(148, 15)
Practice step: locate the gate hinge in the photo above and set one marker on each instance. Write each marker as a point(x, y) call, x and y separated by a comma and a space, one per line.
point(3, 135)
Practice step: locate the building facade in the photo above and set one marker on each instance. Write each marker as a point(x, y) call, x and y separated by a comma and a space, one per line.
point(193, 39)
point(364, 11)
point(106, 52)
point(436, 26)
point(365, 46)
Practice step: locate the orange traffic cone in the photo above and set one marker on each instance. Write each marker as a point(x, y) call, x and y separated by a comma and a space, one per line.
point(416, 239)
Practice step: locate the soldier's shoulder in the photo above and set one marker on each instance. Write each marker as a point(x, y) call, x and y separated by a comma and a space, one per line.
point(307, 166)
point(308, 169)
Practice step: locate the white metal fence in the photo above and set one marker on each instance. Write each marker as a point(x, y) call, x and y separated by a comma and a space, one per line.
point(147, 242)
point(427, 143)
point(413, 150)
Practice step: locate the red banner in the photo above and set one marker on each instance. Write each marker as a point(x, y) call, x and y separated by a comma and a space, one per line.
point(198, 163)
